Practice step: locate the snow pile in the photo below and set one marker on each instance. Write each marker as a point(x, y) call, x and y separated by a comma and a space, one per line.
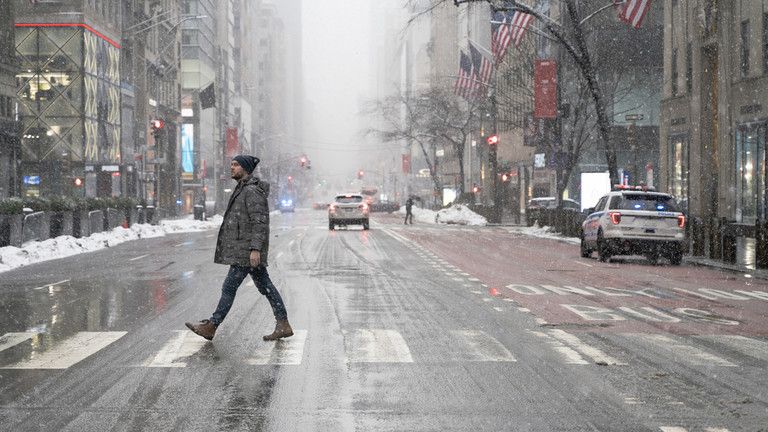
point(33, 252)
point(420, 214)
point(461, 215)
point(546, 232)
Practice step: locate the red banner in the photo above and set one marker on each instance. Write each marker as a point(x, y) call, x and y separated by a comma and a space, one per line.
point(233, 147)
point(406, 164)
point(545, 85)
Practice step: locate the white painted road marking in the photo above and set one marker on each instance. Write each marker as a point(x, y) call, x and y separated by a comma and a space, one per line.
point(377, 346)
point(682, 429)
point(750, 347)
point(51, 285)
point(9, 340)
point(288, 351)
point(138, 257)
point(596, 354)
point(70, 351)
point(569, 354)
point(183, 344)
point(682, 352)
point(477, 346)
point(584, 264)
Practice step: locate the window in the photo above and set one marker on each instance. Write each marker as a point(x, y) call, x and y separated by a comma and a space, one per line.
point(674, 72)
point(745, 48)
point(645, 202)
point(678, 168)
point(688, 68)
point(750, 163)
point(765, 43)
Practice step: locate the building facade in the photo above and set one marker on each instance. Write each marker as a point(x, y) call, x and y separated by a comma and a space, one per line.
point(68, 89)
point(715, 109)
point(9, 127)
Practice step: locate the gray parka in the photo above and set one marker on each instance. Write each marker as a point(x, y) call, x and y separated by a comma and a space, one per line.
point(246, 224)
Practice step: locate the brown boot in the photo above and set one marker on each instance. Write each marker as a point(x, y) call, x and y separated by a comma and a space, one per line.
point(282, 330)
point(204, 328)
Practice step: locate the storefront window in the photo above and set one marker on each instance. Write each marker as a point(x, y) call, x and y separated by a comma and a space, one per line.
point(678, 169)
point(750, 163)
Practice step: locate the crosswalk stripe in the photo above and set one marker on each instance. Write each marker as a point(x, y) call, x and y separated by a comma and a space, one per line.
point(596, 354)
point(682, 352)
point(283, 352)
point(70, 351)
point(12, 339)
point(682, 429)
point(183, 344)
point(377, 346)
point(750, 347)
point(570, 355)
point(477, 346)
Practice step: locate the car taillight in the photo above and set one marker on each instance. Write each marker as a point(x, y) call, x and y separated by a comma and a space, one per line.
point(615, 217)
point(363, 207)
point(332, 208)
point(681, 221)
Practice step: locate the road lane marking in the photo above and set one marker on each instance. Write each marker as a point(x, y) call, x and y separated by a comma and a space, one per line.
point(569, 354)
point(377, 346)
point(478, 346)
point(680, 351)
point(288, 351)
point(673, 429)
point(51, 285)
point(70, 351)
point(498, 309)
point(279, 254)
point(186, 243)
point(583, 263)
point(183, 344)
point(210, 235)
point(522, 309)
point(574, 342)
point(138, 257)
point(747, 346)
point(12, 339)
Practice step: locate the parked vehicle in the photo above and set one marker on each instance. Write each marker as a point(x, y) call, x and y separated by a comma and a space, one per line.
point(635, 222)
point(537, 207)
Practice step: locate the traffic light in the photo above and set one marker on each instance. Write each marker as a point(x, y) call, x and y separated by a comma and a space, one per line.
point(492, 139)
point(475, 189)
point(290, 179)
point(360, 174)
point(303, 161)
point(504, 177)
point(78, 182)
point(157, 124)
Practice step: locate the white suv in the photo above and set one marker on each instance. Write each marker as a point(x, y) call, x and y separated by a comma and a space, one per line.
point(635, 222)
point(348, 209)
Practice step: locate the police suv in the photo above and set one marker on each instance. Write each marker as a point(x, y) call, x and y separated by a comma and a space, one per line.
point(634, 221)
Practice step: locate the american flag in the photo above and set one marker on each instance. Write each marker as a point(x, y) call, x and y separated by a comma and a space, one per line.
point(464, 83)
point(506, 27)
point(481, 71)
point(632, 12)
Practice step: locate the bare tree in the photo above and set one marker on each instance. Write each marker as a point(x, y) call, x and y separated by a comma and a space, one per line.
point(571, 35)
point(428, 118)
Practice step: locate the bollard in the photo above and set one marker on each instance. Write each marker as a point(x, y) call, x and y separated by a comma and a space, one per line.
point(199, 212)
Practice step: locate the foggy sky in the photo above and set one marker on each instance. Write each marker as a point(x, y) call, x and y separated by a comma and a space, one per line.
point(336, 63)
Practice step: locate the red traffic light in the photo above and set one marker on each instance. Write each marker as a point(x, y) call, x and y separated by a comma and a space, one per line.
point(475, 189)
point(492, 139)
point(157, 124)
point(303, 161)
point(360, 174)
point(290, 179)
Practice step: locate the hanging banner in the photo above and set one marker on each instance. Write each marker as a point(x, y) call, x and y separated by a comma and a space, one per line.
point(187, 148)
point(406, 164)
point(545, 87)
point(233, 147)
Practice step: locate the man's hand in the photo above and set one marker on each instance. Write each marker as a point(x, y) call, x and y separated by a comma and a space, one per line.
point(255, 258)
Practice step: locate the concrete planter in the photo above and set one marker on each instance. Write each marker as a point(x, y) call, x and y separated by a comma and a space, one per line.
point(81, 225)
point(36, 226)
point(95, 221)
point(61, 223)
point(11, 230)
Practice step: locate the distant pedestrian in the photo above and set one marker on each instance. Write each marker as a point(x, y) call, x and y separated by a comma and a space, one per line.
point(408, 212)
point(243, 244)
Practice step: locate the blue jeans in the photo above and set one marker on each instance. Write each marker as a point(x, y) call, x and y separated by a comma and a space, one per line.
point(261, 278)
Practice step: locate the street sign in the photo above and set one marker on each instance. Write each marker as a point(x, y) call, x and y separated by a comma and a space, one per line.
point(538, 160)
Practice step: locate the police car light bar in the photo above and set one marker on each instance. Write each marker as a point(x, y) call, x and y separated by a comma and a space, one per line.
point(644, 188)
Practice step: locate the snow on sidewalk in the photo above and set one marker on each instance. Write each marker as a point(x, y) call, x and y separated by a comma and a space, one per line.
point(33, 252)
point(456, 214)
point(545, 232)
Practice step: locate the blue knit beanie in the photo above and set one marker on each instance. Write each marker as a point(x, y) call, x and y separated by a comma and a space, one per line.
point(247, 162)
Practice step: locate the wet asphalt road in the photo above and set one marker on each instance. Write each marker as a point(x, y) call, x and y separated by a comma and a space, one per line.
point(397, 329)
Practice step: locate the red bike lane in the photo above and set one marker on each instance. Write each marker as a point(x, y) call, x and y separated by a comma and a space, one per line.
point(550, 279)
